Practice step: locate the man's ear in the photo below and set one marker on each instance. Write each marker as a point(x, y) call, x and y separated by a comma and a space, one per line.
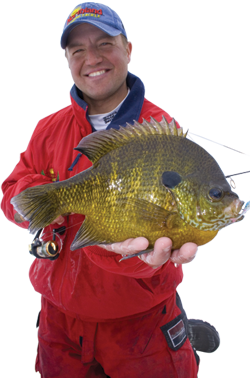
point(129, 51)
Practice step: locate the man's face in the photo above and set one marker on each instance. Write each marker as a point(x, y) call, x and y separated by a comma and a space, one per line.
point(98, 63)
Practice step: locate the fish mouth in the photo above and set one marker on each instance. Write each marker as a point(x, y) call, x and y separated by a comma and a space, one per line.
point(239, 218)
point(245, 202)
point(234, 210)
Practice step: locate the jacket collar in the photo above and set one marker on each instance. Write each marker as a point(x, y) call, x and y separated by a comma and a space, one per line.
point(129, 112)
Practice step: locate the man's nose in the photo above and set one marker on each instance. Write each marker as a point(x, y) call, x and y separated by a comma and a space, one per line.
point(92, 56)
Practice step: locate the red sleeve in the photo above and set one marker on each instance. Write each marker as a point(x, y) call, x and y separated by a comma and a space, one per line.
point(23, 176)
point(109, 261)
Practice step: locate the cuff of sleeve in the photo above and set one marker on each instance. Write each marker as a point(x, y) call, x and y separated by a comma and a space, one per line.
point(110, 262)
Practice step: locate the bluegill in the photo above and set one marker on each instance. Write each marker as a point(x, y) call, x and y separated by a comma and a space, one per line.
point(146, 180)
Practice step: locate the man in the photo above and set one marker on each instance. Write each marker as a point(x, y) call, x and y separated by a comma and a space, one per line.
point(101, 317)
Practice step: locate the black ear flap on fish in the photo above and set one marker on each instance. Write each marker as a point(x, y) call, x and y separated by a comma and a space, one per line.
point(171, 179)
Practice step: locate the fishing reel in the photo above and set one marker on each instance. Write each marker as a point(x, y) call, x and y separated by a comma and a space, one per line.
point(49, 249)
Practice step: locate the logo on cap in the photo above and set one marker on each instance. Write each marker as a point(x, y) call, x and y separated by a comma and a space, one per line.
point(80, 12)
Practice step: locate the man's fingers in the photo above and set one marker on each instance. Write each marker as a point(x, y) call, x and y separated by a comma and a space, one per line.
point(185, 254)
point(127, 247)
point(58, 220)
point(160, 254)
point(18, 218)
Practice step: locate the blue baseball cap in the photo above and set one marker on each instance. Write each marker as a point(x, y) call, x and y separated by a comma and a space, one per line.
point(96, 14)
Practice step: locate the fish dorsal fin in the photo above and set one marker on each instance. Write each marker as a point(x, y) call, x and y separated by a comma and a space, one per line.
point(98, 144)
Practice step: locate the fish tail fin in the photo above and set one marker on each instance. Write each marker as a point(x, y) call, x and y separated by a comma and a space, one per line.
point(39, 205)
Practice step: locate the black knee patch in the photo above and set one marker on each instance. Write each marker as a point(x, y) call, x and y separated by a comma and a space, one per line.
point(175, 332)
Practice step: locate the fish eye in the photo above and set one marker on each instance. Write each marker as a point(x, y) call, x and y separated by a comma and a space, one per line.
point(215, 194)
point(171, 179)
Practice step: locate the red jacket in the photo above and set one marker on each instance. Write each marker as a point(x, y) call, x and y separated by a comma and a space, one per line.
point(88, 283)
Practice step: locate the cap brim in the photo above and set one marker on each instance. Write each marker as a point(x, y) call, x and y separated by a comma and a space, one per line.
point(106, 28)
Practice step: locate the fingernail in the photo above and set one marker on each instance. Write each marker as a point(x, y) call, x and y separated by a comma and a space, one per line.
point(191, 258)
point(142, 257)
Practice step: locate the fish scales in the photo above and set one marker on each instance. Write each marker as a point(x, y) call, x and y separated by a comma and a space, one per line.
point(135, 179)
point(146, 180)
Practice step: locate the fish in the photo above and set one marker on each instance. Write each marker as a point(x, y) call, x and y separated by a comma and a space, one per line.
point(146, 179)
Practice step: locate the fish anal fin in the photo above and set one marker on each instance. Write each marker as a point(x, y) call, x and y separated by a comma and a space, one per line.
point(86, 235)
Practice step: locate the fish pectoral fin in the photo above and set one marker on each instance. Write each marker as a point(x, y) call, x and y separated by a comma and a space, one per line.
point(150, 212)
point(86, 235)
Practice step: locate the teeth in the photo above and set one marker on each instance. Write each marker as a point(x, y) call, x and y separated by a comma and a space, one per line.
point(97, 73)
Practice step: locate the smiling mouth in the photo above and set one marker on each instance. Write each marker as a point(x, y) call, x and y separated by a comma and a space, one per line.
point(97, 73)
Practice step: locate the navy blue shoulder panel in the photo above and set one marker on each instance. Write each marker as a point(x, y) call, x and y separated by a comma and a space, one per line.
point(76, 95)
point(131, 108)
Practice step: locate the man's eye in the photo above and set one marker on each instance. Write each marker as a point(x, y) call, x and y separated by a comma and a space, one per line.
point(105, 44)
point(77, 51)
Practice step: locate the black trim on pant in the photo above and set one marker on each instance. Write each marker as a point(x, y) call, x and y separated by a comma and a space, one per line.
point(38, 319)
point(179, 304)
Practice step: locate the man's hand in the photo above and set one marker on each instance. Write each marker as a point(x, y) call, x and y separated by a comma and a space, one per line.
point(58, 220)
point(160, 254)
point(19, 219)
